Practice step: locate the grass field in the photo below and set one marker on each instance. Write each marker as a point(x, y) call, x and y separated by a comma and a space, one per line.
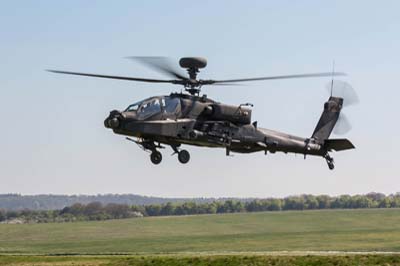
point(340, 230)
point(269, 238)
point(214, 260)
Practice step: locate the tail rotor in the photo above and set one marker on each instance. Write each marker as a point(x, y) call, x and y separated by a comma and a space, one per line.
point(344, 90)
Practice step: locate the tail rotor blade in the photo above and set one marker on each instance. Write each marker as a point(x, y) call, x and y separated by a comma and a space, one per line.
point(342, 126)
point(343, 90)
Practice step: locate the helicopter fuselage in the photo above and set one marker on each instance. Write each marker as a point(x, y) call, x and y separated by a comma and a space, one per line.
point(186, 119)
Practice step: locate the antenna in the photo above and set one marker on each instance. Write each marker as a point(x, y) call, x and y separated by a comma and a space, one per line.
point(333, 74)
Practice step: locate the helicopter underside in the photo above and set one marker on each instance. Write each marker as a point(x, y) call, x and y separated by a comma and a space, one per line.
point(152, 135)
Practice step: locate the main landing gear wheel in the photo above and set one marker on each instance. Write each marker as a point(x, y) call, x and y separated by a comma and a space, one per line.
point(183, 156)
point(156, 157)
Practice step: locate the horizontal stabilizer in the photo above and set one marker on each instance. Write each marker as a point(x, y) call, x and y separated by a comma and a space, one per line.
point(338, 144)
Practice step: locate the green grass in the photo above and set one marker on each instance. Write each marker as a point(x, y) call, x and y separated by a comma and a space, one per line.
point(341, 230)
point(215, 260)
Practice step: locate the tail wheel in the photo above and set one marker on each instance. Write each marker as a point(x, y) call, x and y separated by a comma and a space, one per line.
point(329, 161)
point(183, 156)
point(156, 157)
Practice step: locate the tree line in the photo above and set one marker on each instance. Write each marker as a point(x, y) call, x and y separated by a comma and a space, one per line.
point(57, 202)
point(99, 211)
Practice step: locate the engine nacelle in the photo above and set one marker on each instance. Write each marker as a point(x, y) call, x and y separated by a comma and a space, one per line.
point(231, 113)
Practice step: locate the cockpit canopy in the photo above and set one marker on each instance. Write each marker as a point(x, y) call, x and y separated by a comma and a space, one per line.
point(165, 105)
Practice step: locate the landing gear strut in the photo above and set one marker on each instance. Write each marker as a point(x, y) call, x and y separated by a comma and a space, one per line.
point(329, 161)
point(183, 155)
point(148, 145)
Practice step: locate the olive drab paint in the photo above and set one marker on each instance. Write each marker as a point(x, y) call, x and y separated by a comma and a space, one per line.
point(188, 118)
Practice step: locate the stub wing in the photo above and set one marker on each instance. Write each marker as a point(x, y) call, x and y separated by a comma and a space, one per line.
point(338, 144)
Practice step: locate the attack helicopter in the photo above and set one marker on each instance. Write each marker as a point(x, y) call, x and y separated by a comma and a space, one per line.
point(193, 119)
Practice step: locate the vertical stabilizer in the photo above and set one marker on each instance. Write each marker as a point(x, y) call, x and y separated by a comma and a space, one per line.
point(328, 119)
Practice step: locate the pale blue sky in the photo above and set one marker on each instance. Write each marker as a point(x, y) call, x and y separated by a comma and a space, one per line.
point(52, 138)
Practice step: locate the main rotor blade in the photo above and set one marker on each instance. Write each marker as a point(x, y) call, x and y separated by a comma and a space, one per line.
point(313, 75)
point(161, 64)
point(226, 84)
point(116, 77)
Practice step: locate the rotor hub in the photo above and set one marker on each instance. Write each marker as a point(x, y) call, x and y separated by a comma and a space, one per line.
point(192, 66)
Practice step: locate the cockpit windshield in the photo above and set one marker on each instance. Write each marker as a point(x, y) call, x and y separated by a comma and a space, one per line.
point(133, 107)
point(170, 104)
point(149, 107)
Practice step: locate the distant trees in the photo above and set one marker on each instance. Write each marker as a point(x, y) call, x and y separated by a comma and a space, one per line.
point(324, 201)
point(119, 211)
point(57, 202)
point(294, 203)
point(301, 202)
point(2, 215)
point(98, 211)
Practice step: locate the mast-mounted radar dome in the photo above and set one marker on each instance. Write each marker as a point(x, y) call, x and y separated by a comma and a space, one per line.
point(193, 62)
